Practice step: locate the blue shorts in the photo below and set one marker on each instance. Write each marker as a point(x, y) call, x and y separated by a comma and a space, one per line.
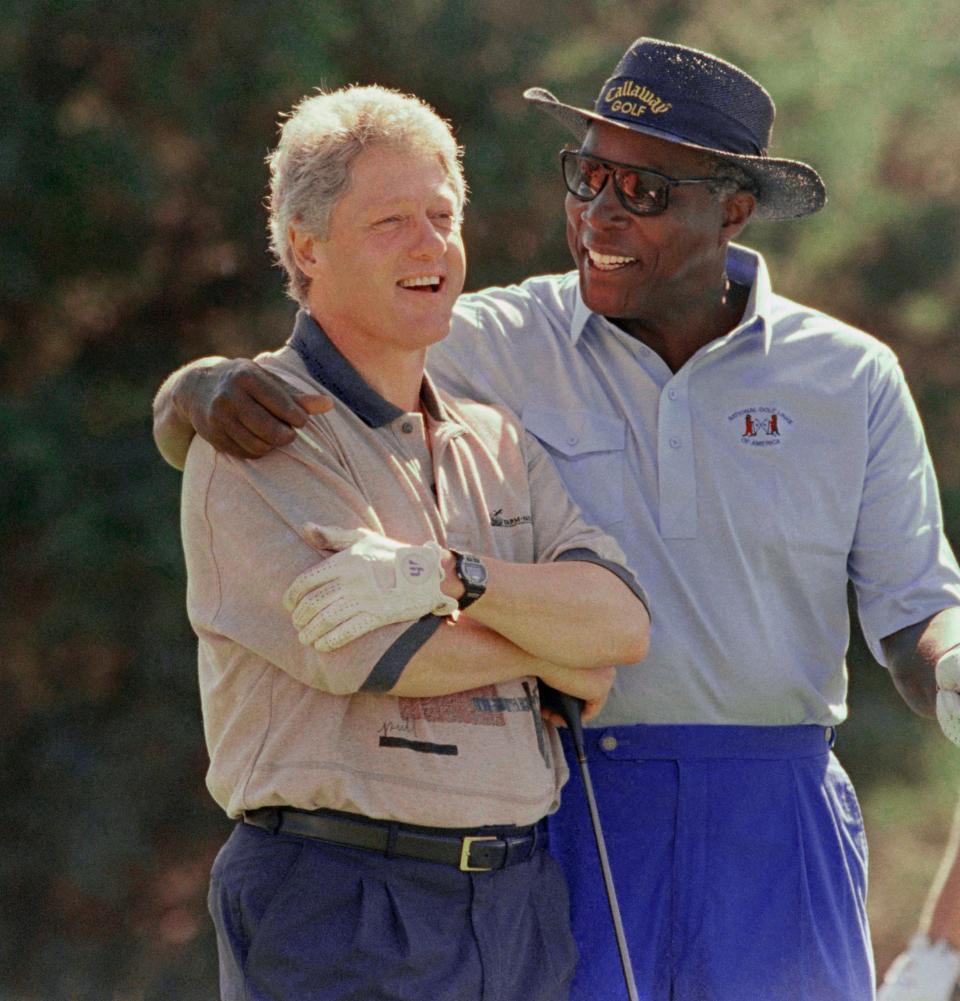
point(302, 920)
point(740, 864)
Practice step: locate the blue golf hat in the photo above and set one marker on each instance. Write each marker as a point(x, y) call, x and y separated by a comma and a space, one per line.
point(695, 99)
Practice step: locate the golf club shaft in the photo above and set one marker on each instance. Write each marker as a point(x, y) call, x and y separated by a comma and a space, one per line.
point(570, 708)
point(608, 878)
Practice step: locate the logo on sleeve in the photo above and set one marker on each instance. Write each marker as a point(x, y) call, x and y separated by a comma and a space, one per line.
point(761, 427)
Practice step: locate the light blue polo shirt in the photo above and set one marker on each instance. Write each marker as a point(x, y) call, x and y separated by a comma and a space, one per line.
point(745, 489)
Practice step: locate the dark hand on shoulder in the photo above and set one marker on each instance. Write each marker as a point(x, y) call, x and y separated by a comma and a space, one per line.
point(242, 409)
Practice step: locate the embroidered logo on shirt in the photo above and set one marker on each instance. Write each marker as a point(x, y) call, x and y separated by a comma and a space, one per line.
point(760, 426)
point(498, 521)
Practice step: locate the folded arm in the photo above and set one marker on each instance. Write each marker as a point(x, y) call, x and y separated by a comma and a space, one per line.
point(576, 614)
point(242, 515)
point(572, 613)
point(561, 622)
point(464, 654)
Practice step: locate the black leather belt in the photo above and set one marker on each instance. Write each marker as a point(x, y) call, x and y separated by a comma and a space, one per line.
point(481, 852)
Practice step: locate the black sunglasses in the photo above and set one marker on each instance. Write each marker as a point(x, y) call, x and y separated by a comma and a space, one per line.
point(641, 191)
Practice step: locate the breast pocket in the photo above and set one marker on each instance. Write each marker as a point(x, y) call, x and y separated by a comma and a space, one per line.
point(588, 450)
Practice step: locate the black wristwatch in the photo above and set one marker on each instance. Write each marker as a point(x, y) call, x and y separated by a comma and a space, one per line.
point(473, 574)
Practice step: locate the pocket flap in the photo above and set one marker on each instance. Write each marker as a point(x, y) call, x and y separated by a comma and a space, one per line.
point(574, 432)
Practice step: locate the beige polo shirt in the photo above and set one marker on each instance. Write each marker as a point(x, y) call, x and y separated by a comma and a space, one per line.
point(287, 725)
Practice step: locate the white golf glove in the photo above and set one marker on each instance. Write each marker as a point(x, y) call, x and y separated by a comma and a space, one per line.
point(948, 694)
point(926, 971)
point(371, 582)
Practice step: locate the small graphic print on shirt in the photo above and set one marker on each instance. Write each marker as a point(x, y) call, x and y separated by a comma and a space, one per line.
point(390, 733)
point(761, 427)
point(480, 707)
point(497, 519)
point(422, 746)
point(486, 704)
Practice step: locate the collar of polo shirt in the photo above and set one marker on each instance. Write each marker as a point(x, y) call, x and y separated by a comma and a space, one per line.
point(334, 372)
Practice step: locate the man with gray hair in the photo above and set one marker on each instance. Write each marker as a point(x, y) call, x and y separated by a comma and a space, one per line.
point(385, 754)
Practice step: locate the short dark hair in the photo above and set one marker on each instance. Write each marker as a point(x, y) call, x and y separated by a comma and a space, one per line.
point(731, 177)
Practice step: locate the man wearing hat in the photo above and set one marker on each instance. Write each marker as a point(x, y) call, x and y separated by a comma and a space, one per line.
point(753, 455)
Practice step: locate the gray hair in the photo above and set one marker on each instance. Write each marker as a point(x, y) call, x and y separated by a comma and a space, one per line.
point(319, 141)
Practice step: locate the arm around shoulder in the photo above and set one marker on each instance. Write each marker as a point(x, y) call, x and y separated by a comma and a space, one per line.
point(173, 429)
point(235, 404)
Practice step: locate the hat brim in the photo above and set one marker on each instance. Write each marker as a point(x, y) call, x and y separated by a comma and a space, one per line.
point(787, 189)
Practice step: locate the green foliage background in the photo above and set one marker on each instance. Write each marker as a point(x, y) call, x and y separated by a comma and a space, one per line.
point(132, 139)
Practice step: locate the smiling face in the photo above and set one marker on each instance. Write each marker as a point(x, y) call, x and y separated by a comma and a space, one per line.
point(632, 266)
point(384, 282)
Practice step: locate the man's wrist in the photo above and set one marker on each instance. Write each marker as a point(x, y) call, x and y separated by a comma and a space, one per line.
point(451, 585)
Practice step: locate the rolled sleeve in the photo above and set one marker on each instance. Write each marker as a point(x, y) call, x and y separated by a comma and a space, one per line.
point(387, 670)
point(619, 571)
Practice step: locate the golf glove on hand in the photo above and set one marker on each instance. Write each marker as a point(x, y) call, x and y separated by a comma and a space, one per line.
point(948, 694)
point(370, 582)
point(926, 971)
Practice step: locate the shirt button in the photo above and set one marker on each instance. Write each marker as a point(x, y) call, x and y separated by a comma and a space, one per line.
point(406, 427)
point(675, 443)
point(608, 743)
point(573, 439)
point(672, 393)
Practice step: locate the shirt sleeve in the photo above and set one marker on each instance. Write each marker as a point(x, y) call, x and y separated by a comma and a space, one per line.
point(900, 563)
point(560, 532)
point(242, 525)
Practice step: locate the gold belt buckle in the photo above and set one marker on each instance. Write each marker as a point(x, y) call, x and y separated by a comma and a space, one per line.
point(465, 853)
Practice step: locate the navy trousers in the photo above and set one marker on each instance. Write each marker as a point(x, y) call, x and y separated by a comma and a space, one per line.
point(301, 920)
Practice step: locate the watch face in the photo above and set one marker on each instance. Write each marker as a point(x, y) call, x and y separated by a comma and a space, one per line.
point(474, 576)
point(474, 572)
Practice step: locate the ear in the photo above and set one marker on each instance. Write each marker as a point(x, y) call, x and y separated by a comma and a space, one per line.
point(737, 209)
point(303, 246)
